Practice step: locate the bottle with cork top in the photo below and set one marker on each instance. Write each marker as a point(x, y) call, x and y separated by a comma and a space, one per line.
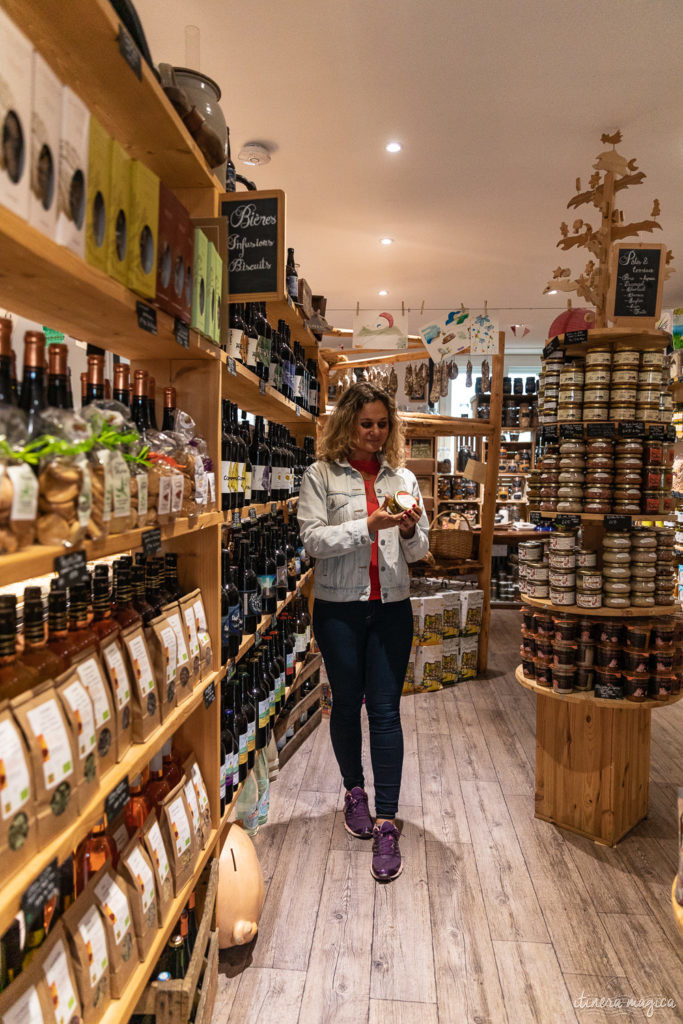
point(122, 383)
point(33, 398)
point(36, 655)
point(169, 408)
point(7, 393)
point(94, 390)
point(57, 376)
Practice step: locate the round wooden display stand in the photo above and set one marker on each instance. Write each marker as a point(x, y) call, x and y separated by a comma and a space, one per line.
point(592, 761)
point(612, 613)
point(677, 908)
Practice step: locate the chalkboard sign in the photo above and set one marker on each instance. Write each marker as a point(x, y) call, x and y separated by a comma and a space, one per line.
point(39, 892)
point(147, 317)
point(117, 799)
point(129, 51)
point(551, 347)
point(567, 522)
point(571, 430)
point(636, 281)
point(671, 433)
point(256, 239)
point(181, 331)
point(535, 518)
point(657, 432)
point(151, 541)
point(575, 337)
point(209, 695)
point(550, 435)
point(618, 524)
point(601, 429)
point(632, 428)
point(72, 568)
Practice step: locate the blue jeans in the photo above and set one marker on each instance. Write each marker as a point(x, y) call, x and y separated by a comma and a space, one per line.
point(366, 646)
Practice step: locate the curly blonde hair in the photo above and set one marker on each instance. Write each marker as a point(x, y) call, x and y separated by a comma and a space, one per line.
point(338, 438)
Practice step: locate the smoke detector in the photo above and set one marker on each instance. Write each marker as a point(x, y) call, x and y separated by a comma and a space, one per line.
point(254, 154)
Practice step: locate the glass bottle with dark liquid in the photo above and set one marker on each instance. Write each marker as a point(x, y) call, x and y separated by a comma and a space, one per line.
point(33, 399)
point(158, 787)
point(103, 624)
point(57, 376)
point(7, 392)
point(15, 678)
point(151, 402)
point(241, 728)
point(140, 602)
point(36, 655)
point(57, 636)
point(138, 806)
point(169, 408)
point(124, 611)
point(92, 854)
point(95, 380)
point(173, 771)
point(122, 383)
point(139, 409)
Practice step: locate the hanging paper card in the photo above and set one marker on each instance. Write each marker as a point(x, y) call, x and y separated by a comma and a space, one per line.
point(448, 335)
point(484, 335)
point(378, 329)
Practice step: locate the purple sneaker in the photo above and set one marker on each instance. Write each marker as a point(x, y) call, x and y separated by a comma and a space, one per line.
point(357, 820)
point(386, 856)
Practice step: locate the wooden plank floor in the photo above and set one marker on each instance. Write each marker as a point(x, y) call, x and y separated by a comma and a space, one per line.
point(496, 918)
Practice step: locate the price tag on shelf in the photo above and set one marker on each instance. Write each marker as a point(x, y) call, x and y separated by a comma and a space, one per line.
point(230, 669)
point(253, 515)
point(72, 568)
point(550, 435)
point(129, 51)
point(257, 637)
point(551, 347)
point(536, 518)
point(151, 541)
point(575, 337)
point(571, 430)
point(209, 695)
point(298, 410)
point(568, 522)
point(181, 331)
point(273, 508)
point(618, 524)
point(262, 387)
point(671, 432)
point(657, 432)
point(38, 893)
point(117, 799)
point(147, 317)
point(632, 428)
point(606, 430)
point(232, 369)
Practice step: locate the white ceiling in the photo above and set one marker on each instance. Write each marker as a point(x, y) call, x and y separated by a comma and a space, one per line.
point(499, 106)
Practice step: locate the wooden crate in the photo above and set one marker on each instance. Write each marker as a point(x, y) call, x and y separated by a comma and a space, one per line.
point(171, 1002)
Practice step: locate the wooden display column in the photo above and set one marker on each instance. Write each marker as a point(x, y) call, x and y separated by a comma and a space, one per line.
point(592, 767)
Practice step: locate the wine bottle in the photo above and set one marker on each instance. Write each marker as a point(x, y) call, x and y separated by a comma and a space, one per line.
point(57, 376)
point(7, 392)
point(231, 611)
point(241, 728)
point(121, 391)
point(33, 399)
point(168, 420)
point(94, 390)
point(292, 278)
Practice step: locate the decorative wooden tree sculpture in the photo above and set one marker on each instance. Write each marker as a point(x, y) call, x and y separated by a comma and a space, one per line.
point(612, 173)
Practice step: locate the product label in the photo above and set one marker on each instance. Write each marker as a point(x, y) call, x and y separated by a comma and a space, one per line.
point(120, 484)
point(200, 617)
point(177, 627)
point(267, 585)
point(25, 496)
point(211, 483)
point(222, 778)
point(199, 788)
point(84, 504)
point(264, 804)
point(277, 477)
point(231, 624)
point(263, 712)
point(272, 374)
point(290, 662)
point(158, 848)
point(103, 459)
point(312, 397)
point(170, 651)
point(121, 837)
point(141, 666)
point(191, 631)
point(142, 481)
point(281, 576)
point(15, 782)
point(26, 1008)
point(288, 375)
point(300, 642)
point(180, 826)
point(56, 971)
point(281, 686)
point(114, 905)
point(233, 342)
point(254, 604)
point(239, 483)
point(117, 674)
point(201, 486)
point(191, 798)
point(165, 495)
point(251, 735)
point(232, 767)
point(90, 674)
point(178, 483)
point(247, 484)
point(91, 930)
point(252, 344)
point(244, 747)
point(47, 726)
point(225, 477)
point(143, 876)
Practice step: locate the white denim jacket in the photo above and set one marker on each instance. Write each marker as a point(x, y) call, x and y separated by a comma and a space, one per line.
point(333, 523)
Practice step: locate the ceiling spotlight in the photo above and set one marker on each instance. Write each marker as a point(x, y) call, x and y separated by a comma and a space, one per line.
point(383, 292)
point(553, 291)
point(386, 241)
point(394, 147)
point(254, 154)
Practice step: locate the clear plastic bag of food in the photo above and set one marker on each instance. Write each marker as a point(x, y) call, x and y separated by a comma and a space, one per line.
point(18, 484)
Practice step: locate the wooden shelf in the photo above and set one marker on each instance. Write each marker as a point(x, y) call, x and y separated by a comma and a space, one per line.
point(600, 423)
point(38, 559)
point(284, 309)
point(419, 425)
point(79, 41)
point(593, 517)
point(656, 611)
point(588, 696)
point(283, 724)
point(134, 760)
point(121, 1009)
point(462, 568)
point(637, 337)
point(44, 281)
point(299, 736)
point(265, 621)
point(505, 604)
point(244, 388)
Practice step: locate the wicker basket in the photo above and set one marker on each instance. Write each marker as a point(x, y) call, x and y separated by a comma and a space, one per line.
point(450, 543)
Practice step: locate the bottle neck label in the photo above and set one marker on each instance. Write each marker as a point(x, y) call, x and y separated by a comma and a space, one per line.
point(267, 585)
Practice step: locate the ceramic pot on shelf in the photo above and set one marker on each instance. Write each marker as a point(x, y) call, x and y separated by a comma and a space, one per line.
point(205, 94)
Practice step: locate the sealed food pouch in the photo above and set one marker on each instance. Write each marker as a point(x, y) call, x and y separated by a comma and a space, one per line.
point(163, 649)
point(52, 750)
point(27, 1000)
point(18, 824)
point(91, 675)
point(186, 605)
point(160, 860)
point(111, 896)
point(65, 487)
point(205, 646)
point(139, 495)
point(135, 868)
point(79, 712)
point(18, 510)
point(23, 509)
point(179, 836)
point(114, 661)
point(196, 818)
point(193, 771)
point(87, 940)
point(145, 701)
point(55, 963)
point(186, 677)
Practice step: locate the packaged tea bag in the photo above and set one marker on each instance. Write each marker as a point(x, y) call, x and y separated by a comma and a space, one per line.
point(90, 673)
point(89, 954)
point(19, 828)
point(145, 703)
point(81, 717)
point(55, 964)
point(111, 897)
point(205, 646)
point(468, 657)
point(27, 999)
point(449, 663)
point(451, 614)
point(161, 864)
point(163, 649)
point(118, 830)
point(179, 836)
point(471, 607)
point(53, 756)
point(186, 677)
point(119, 680)
point(193, 805)
point(136, 869)
point(193, 772)
point(186, 605)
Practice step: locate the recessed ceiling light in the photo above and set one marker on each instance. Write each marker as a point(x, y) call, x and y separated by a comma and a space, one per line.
point(383, 292)
point(553, 291)
point(394, 147)
point(386, 241)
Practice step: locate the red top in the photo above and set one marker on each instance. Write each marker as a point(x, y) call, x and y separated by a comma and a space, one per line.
point(370, 469)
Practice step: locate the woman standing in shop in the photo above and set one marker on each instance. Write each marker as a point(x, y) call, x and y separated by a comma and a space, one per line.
point(362, 617)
